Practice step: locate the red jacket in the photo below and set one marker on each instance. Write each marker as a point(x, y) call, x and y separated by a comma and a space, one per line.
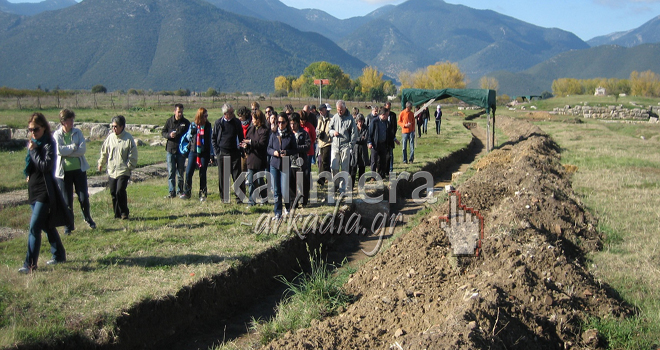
point(311, 130)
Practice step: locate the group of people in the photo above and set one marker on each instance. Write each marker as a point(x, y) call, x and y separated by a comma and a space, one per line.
point(275, 150)
point(55, 164)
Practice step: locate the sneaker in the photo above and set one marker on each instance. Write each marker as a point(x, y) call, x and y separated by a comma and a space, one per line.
point(276, 217)
point(202, 199)
point(53, 262)
point(170, 196)
point(24, 270)
point(405, 162)
point(184, 196)
point(91, 224)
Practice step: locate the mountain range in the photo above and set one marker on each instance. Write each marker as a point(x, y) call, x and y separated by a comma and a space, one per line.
point(156, 44)
point(243, 44)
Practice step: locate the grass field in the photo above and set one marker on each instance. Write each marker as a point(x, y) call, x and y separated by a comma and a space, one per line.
point(618, 178)
point(166, 245)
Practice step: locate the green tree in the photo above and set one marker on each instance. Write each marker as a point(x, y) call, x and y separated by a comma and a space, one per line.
point(99, 89)
point(340, 82)
point(211, 92)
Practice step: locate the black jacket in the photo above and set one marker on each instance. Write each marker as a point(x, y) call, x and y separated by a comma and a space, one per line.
point(180, 126)
point(375, 138)
point(227, 135)
point(42, 162)
point(287, 143)
point(256, 150)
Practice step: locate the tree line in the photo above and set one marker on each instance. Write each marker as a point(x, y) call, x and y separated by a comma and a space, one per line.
point(646, 84)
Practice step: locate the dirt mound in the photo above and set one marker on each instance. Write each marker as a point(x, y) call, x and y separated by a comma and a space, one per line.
point(528, 289)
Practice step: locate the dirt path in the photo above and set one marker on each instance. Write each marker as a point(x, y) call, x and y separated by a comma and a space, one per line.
point(96, 184)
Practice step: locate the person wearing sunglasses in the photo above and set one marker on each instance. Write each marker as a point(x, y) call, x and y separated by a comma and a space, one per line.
point(71, 167)
point(46, 201)
point(281, 144)
point(120, 154)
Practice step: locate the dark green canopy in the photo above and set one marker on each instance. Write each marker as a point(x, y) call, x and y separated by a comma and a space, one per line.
point(484, 98)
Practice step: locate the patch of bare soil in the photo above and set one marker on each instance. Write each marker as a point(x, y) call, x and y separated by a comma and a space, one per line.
point(528, 289)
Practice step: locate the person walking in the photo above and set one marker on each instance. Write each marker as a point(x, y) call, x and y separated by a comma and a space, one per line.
point(200, 152)
point(175, 127)
point(324, 143)
point(360, 157)
point(438, 119)
point(255, 145)
point(343, 131)
point(407, 124)
point(227, 136)
point(71, 166)
point(392, 118)
point(300, 161)
point(120, 154)
point(46, 201)
point(281, 145)
point(381, 141)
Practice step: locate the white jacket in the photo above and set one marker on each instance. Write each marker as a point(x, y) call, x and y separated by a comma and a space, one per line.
point(77, 148)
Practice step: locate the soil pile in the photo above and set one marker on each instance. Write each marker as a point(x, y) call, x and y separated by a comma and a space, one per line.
point(528, 288)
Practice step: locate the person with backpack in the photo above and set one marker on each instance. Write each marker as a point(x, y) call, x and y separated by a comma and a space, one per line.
point(197, 146)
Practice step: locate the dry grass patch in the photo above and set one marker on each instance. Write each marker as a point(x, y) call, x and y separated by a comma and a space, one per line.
point(618, 177)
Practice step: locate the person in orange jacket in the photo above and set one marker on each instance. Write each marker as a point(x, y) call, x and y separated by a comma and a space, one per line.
point(407, 124)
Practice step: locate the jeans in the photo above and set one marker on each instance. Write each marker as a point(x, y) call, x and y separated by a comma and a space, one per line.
point(175, 167)
point(437, 126)
point(405, 139)
point(77, 178)
point(280, 182)
point(426, 125)
point(391, 160)
point(190, 170)
point(118, 193)
point(38, 223)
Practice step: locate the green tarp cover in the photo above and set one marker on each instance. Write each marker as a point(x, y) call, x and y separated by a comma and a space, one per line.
point(484, 98)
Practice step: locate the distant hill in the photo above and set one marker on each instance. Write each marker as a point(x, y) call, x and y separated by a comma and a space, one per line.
point(481, 41)
point(156, 44)
point(307, 20)
point(33, 8)
point(648, 33)
point(597, 62)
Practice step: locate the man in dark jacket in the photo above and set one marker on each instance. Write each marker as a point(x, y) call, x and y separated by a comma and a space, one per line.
point(227, 136)
point(175, 127)
point(381, 140)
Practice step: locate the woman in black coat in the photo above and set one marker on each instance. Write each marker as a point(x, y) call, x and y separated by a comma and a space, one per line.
point(45, 198)
point(255, 145)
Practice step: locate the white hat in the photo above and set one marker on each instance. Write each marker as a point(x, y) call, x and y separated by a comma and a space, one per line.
point(327, 105)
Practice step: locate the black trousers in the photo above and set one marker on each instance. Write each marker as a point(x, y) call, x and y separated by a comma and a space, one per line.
point(324, 161)
point(119, 197)
point(380, 160)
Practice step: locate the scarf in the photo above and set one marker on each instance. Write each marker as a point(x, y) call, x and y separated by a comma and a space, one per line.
point(199, 145)
point(28, 160)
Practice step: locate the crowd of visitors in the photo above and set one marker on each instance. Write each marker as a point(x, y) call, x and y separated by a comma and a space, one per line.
point(276, 151)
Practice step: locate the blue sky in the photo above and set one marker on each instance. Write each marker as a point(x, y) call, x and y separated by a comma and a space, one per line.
point(585, 18)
